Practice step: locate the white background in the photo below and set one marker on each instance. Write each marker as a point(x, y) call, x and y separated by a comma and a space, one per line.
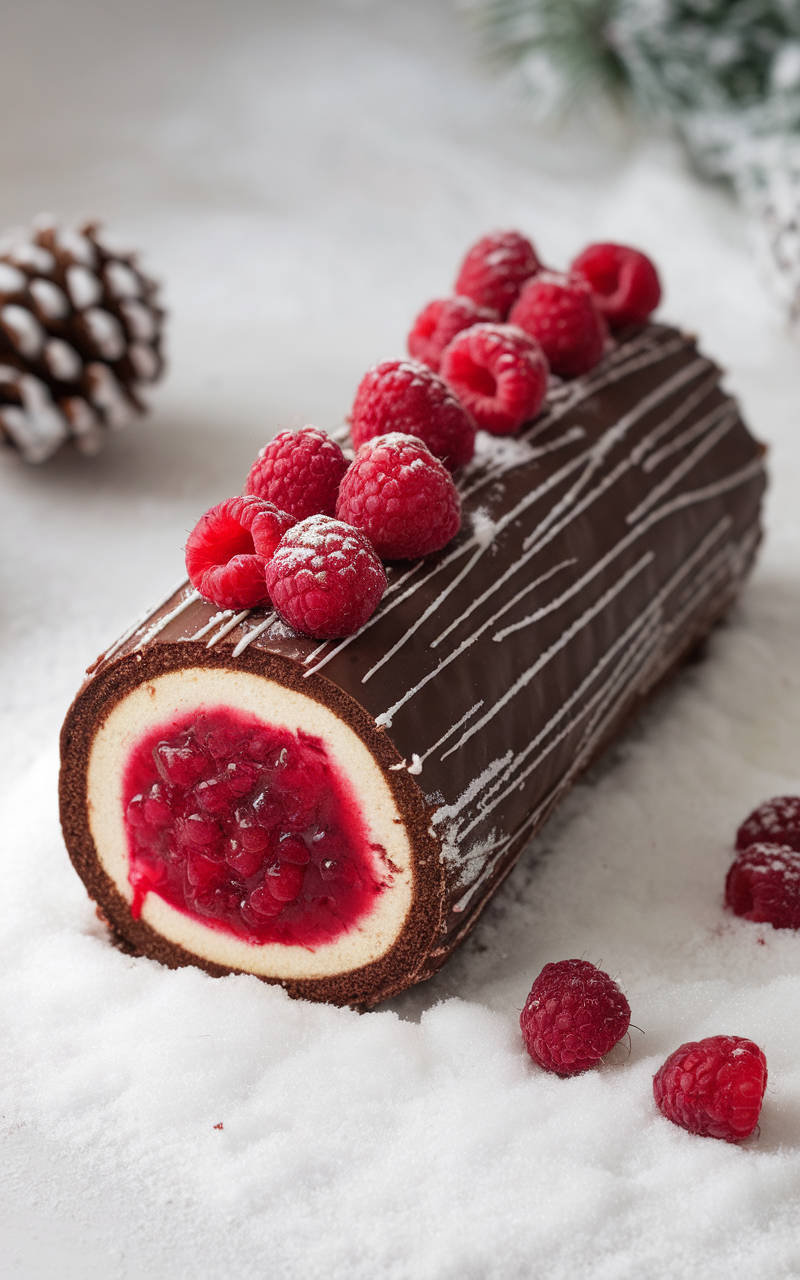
point(304, 177)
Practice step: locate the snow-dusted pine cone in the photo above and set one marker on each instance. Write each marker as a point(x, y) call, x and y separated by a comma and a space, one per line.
point(80, 335)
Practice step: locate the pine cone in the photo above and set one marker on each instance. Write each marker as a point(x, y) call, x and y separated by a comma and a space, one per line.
point(80, 335)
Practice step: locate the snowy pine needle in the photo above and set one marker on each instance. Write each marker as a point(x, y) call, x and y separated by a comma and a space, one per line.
point(726, 73)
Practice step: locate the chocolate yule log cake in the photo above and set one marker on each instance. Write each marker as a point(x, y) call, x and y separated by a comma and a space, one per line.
point(402, 769)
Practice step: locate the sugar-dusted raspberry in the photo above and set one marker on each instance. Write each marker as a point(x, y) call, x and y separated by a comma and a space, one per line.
point(624, 282)
point(499, 373)
point(325, 579)
point(228, 548)
point(299, 472)
point(573, 1015)
point(713, 1087)
point(560, 312)
point(401, 497)
point(407, 396)
point(777, 821)
point(439, 322)
point(495, 269)
point(763, 885)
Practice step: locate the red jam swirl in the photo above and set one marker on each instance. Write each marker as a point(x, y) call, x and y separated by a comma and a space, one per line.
point(249, 828)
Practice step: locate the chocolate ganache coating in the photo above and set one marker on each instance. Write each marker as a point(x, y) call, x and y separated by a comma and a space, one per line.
point(597, 548)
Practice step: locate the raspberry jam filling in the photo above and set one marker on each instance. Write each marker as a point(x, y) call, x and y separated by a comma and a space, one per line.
point(249, 827)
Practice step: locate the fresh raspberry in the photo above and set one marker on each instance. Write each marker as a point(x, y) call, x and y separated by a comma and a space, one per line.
point(560, 313)
point(299, 473)
point(574, 1014)
point(439, 322)
point(713, 1087)
point(495, 269)
point(777, 821)
point(763, 884)
point(400, 497)
point(228, 547)
point(499, 373)
point(325, 580)
point(407, 396)
point(624, 282)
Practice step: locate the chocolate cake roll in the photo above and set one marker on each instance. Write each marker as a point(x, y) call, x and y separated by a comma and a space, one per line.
point(334, 816)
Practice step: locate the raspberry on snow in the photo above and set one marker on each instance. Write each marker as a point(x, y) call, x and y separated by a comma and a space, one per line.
point(406, 396)
point(325, 579)
point(299, 472)
point(400, 497)
point(777, 821)
point(763, 885)
point(495, 268)
point(439, 322)
point(624, 282)
point(713, 1087)
point(228, 548)
point(499, 373)
point(574, 1015)
point(560, 312)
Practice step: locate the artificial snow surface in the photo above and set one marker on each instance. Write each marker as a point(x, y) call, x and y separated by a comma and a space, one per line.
point(305, 177)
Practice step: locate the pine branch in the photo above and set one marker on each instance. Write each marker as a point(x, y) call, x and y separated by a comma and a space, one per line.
point(675, 56)
point(725, 73)
point(575, 37)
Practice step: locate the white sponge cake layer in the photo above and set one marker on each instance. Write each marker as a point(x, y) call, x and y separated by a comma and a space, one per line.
point(181, 692)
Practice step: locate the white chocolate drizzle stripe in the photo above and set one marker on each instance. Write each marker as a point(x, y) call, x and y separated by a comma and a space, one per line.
point(645, 621)
point(159, 626)
point(646, 639)
point(385, 718)
point(577, 586)
point(589, 455)
point(453, 728)
point(691, 433)
point(213, 622)
point(474, 789)
point(622, 674)
point(252, 633)
point(683, 468)
point(496, 472)
point(534, 541)
point(380, 613)
point(482, 546)
point(525, 678)
point(699, 495)
point(592, 734)
point(713, 490)
point(223, 631)
point(599, 701)
point(575, 589)
point(426, 613)
point(624, 361)
point(616, 433)
point(142, 619)
point(692, 401)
